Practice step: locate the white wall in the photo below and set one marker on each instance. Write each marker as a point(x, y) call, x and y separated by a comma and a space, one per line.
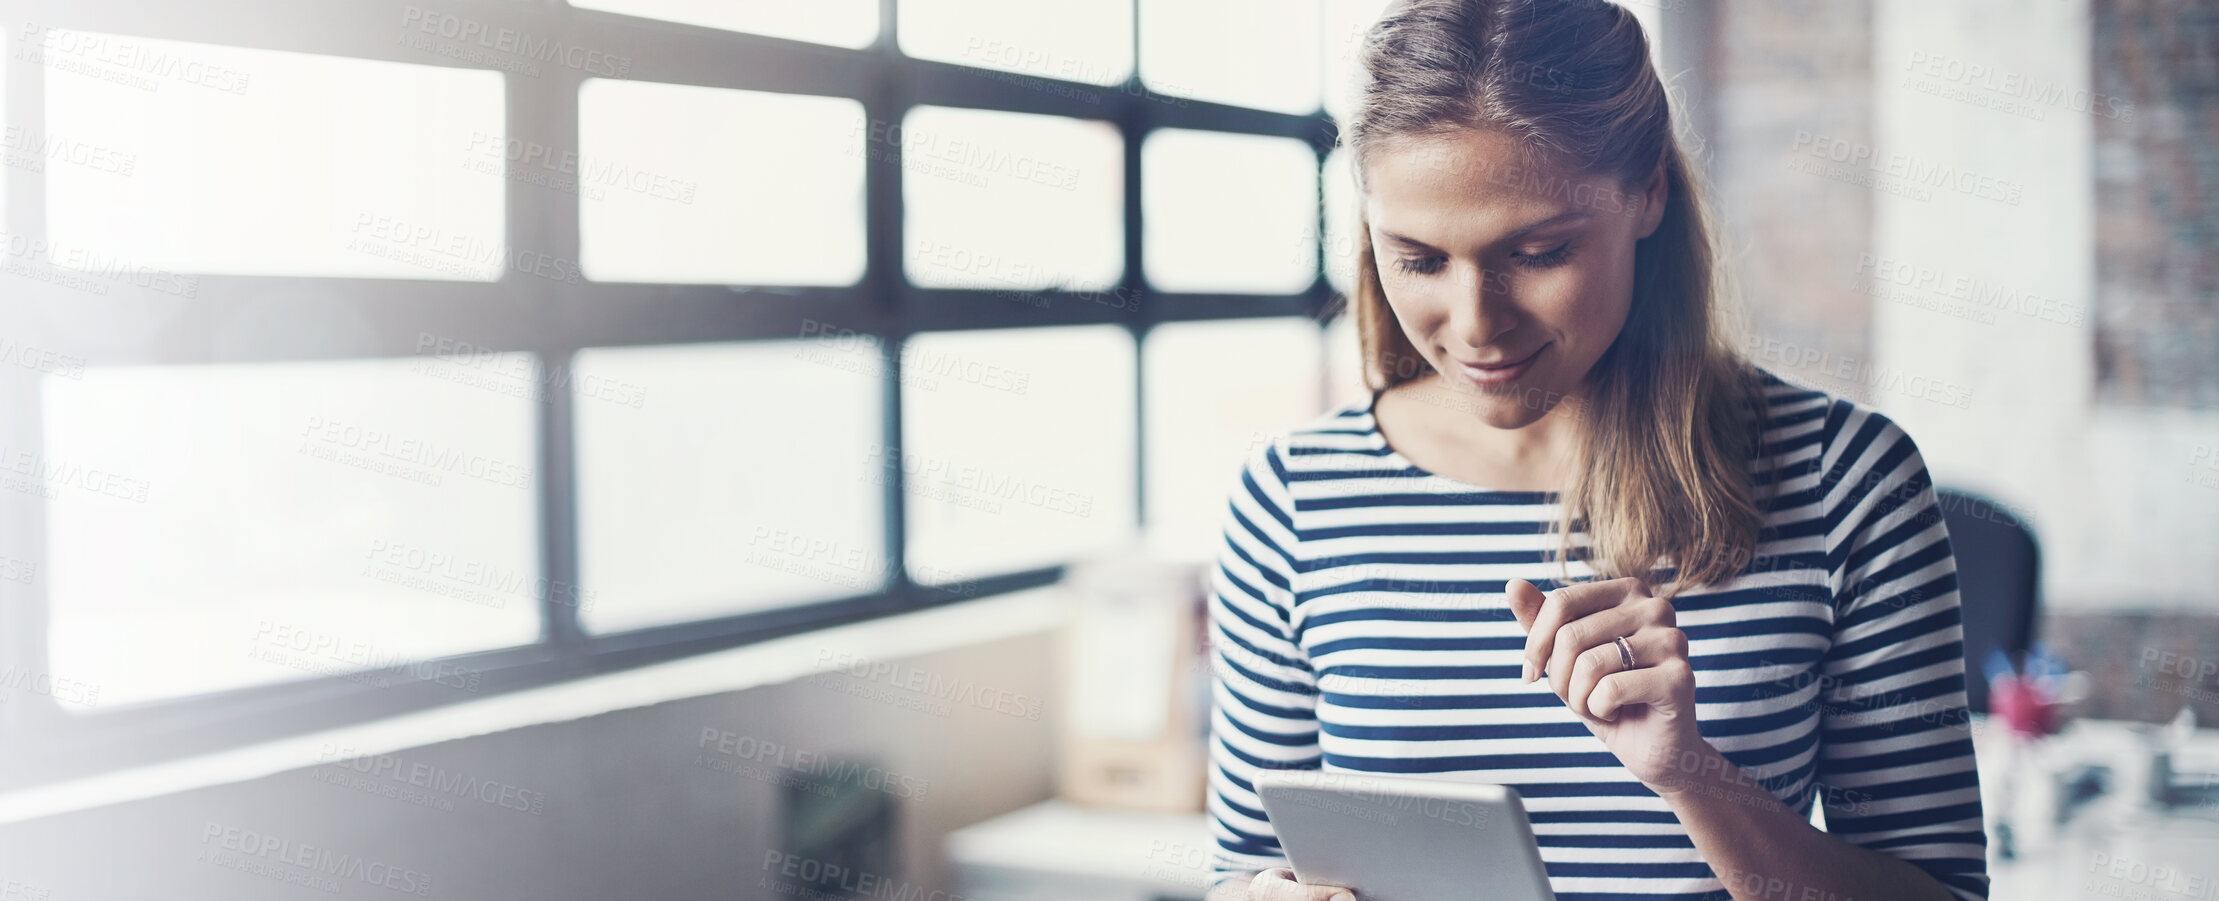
point(637, 803)
point(2126, 517)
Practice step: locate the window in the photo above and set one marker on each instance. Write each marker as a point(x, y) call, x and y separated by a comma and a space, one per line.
point(1010, 201)
point(206, 159)
point(1340, 221)
point(1344, 364)
point(1071, 40)
point(841, 23)
point(1017, 448)
point(1345, 24)
point(213, 527)
point(831, 317)
point(1254, 53)
point(1215, 390)
point(701, 495)
point(688, 184)
point(1229, 212)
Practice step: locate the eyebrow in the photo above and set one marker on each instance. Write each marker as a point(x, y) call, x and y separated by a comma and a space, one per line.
point(1522, 231)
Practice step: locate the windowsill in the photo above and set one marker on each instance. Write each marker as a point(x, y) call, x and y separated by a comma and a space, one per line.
point(767, 663)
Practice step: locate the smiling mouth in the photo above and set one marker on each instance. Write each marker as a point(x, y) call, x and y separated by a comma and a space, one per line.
point(1508, 364)
point(1500, 374)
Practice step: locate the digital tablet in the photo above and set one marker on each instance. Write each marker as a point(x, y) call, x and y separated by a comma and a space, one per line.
point(1405, 838)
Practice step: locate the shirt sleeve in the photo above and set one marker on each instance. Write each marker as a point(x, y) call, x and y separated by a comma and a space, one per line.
point(1895, 759)
point(1263, 692)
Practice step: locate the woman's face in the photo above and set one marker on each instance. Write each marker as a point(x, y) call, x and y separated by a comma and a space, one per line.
point(1511, 280)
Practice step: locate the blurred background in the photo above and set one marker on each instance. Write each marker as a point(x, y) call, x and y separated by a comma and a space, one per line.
point(698, 449)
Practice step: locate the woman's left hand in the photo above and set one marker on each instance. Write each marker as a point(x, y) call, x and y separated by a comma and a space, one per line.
point(1645, 714)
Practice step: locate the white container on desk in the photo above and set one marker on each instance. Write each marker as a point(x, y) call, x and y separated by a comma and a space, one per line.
point(1059, 851)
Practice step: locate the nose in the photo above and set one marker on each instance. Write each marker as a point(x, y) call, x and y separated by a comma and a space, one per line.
point(1482, 311)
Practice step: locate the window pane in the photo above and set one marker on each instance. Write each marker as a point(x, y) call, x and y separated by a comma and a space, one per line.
point(841, 23)
point(1344, 363)
point(1228, 212)
point(6, 227)
point(710, 484)
point(1253, 53)
point(1017, 448)
point(679, 184)
point(1345, 24)
point(272, 163)
point(1009, 200)
point(1340, 222)
point(1074, 40)
point(211, 527)
point(1215, 390)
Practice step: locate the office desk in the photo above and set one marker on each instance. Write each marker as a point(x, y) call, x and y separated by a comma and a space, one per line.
point(2110, 848)
point(1065, 852)
point(2113, 846)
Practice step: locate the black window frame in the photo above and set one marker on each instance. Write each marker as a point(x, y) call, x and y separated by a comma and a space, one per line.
point(39, 742)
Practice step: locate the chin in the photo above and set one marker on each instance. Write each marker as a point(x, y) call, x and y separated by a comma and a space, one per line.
point(1512, 406)
point(1509, 410)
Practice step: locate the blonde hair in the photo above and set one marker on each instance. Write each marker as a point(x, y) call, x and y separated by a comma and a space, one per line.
point(1670, 415)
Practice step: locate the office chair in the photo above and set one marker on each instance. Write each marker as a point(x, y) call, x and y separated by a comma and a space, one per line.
point(1999, 570)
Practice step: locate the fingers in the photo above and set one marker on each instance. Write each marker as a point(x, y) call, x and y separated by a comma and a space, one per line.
point(1566, 605)
point(1653, 646)
point(1525, 601)
point(1271, 885)
point(1647, 685)
point(1278, 884)
point(1557, 608)
point(1588, 634)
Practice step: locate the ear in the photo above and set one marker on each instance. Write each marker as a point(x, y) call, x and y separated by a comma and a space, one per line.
point(1653, 197)
point(1525, 602)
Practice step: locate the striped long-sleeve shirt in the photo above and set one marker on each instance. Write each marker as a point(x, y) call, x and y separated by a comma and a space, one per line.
point(1358, 624)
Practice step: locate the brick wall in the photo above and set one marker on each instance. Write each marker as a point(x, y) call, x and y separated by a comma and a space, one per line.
point(1790, 82)
point(2143, 667)
point(2155, 101)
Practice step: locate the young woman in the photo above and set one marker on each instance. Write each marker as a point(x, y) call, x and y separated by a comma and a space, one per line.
point(1572, 542)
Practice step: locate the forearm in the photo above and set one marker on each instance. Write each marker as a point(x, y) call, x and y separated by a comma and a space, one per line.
point(1765, 852)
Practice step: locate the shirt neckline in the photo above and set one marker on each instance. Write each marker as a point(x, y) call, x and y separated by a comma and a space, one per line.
point(1388, 453)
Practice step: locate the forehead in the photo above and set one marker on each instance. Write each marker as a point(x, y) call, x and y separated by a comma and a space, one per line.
point(1470, 181)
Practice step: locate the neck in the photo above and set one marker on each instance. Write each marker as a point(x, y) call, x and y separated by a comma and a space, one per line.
point(1542, 449)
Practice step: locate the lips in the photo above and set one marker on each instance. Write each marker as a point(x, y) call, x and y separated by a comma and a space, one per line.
point(1500, 373)
point(1506, 364)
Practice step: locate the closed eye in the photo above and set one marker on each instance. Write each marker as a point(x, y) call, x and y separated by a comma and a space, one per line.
point(1423, 266)
point(1553, 257)
point(1545, 259)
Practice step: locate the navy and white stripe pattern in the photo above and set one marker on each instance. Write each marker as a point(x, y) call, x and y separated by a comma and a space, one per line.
point(1358, 624)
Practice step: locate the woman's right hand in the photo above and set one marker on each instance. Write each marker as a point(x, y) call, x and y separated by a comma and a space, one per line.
point(1278, 884)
